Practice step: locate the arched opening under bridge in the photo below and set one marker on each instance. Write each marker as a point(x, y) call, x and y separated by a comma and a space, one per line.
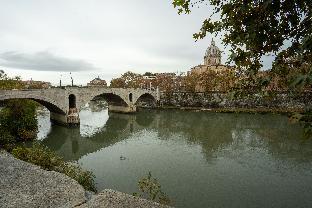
point(146, 100)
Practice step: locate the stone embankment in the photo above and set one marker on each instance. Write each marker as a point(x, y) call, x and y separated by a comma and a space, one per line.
point(278, 101)
point(25, 185)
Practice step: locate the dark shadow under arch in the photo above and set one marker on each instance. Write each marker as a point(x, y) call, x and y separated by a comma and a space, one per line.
point(72, 101)
point(146, 100)
point(111, 99)
point(51, 107)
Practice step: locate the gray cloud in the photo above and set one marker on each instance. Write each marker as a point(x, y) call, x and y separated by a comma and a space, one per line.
point(43, 61)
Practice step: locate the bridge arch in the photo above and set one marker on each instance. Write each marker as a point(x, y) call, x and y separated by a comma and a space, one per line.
point(146, 99)
point(46, 102)
point(111, 99)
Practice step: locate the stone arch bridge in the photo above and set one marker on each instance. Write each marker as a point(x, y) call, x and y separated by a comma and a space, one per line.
point(64, 104)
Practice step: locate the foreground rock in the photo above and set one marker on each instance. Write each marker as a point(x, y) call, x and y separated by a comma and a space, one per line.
point(25, 185)
point(114, 199)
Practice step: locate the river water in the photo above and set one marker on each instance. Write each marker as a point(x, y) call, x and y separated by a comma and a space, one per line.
point(201, 159)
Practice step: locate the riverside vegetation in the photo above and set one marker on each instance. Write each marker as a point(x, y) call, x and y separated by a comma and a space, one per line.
point(18, 124)
point(150, 188)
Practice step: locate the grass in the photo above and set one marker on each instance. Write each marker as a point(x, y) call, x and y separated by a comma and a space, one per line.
point(48, 160)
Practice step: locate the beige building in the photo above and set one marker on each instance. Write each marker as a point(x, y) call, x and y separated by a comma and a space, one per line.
point(212, 61)
point(97, 82)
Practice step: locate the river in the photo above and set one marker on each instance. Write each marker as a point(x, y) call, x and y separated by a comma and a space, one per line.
point(201, 159)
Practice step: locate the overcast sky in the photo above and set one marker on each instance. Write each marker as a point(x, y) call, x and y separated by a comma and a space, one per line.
point(46, 40)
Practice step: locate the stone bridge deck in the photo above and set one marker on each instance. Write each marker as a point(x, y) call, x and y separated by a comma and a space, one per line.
point(64, 104)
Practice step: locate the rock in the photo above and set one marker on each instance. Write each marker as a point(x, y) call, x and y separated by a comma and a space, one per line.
point(114, 199)
point(25, 185)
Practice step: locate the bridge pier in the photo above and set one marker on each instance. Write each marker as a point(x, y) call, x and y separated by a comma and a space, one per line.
point(122, 109)
point(70, 119)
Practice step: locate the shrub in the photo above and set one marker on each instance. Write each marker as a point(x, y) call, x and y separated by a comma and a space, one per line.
point(150, 189)
point(6, 139)
point(18, 117)
point(48, 160)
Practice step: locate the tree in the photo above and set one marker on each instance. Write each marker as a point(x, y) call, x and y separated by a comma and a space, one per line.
point(166, 83)
point(128, 80)
point(7, 83)
point(253, 29)
point(132, 80)
point(148, 74)
point(18, 117)
point(190, 81)
point(117, 83)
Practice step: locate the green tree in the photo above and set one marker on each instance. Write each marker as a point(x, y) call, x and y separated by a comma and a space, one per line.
point(18, 120)
point(148, 74)
point(7, 83)
point(256, 28)
point(253, 29)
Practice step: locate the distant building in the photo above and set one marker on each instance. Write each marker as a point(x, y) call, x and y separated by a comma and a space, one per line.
point(97, 82)
point(212, 61)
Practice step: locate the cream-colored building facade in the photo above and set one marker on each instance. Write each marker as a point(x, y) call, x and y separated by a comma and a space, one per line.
point(212, 61)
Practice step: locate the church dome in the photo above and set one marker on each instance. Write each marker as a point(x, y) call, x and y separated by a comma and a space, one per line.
point(212, 55)
point(213, 50)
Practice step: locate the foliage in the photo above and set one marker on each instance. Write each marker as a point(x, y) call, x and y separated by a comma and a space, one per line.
point(148, 74)
point(48, 160)
point(209, 80)
point(167, 83)
point(6, 139)
point(190, 82)
point(128, 80)
point(151, 189)
point(18, 118)
point(256, 28)
point(7, 83)
point(117, 83)
point(305, 121)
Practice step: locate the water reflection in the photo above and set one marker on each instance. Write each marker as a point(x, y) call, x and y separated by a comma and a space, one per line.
point(211, 131)
point(200, 158)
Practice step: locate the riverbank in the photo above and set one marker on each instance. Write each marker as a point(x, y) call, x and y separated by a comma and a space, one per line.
point(27, 185)
point(278, 102)
point(234, 109)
